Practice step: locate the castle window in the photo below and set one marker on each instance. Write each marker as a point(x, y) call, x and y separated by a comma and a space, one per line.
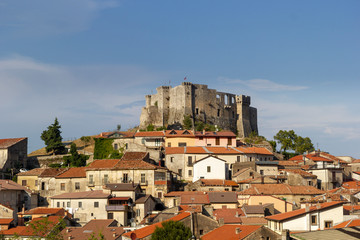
point(190, 173)
point(116, 146)
point(197, 111)
point(218, 113)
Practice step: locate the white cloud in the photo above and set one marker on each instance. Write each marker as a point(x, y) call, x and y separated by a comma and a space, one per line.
point(43, 17)
point(263, 85)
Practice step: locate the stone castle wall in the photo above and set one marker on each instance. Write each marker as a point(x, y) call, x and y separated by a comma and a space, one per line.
point(228, 111)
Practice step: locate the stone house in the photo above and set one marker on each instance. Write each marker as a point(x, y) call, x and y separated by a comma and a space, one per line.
point(132, 168)
point(280, 205)
point(86, 206)
point(13, 155)
point(143, 206)
point(247, 183)
point(71, 180)
point(292, 194)
point(173, 199)
point(319, 217)
point(299, 177)
point(16, 197)
point(244, 174)
point(223, 200)
point(181, 159)
point(42, 181)
point(6, 217)
point(208, 185)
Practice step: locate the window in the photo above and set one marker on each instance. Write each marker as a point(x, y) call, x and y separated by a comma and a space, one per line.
point(218, 113)
point(62, 186)
point(189, 161)
point(143, 178)
point(125, 178)
point(310, 183)
point(116, 146)
point(313, 220)
point(68, 204)
point(43, 186)
point(328, 224)
point(262, 172)
point(171, 159)
point(91, 179)
point(190, 173)
point(63, 204)
point(77, 186)
point(23, 182)
point(96, 204)
point(197, 111)
point(211, 189)
point(110, 215)
point(169, 144)
point(217, 141)
point(229, 141)
point(226, 189)
point(36, 182)
point(201, 138)
point(159, 194)
point(143, 140)
point(238, 158)
point(208, 168)
point(201, 232)
point(180, 172)
point(79, 204)
point(58, 204)
point(181, 144)
point(157, 142)
point(137, 212)
point(126, 146)
point(106, 178)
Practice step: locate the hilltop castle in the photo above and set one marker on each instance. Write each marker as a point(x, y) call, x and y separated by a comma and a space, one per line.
point(228, 111)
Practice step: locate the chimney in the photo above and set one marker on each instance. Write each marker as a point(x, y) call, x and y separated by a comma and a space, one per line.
point(203, 131)
point(237, 230)
point(262, 179)
point(307, 207)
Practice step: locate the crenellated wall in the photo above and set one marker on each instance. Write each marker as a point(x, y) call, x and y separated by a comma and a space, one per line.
point(227, 111)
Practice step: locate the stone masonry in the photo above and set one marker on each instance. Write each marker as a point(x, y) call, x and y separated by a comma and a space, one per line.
point(228, 111)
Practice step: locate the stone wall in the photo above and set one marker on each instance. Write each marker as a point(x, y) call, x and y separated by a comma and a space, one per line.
point(227, 111)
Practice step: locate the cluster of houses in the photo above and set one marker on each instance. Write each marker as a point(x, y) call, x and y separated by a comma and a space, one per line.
point(211, 182)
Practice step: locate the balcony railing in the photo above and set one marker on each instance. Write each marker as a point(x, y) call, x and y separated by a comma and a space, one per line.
point(113, 207)
point(91, 183)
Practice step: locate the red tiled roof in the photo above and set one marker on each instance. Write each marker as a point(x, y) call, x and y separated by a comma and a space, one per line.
point(45, 210)
point(96, 194)
point(148, 230)
point(107, 227)
point(314, 157)
point(179, 133)
point(228, 232)
point(280, 189)
point(287, 215)
point(325, 198)
point(222, 197)
point(180, 193)
point(253, 220)
point(300, 172)
point(8, 142)
point(135, 156)
point(75, 172)
point(150, 134)
point(6, 221)
point(229, 215)
point(288, 163)
point(255, 150)
point(351, 185)
point(126, 134)
point(103, 164)
point(349, 223)
point(43, 172)
point(223, 150)
point(351, 207)
point(218, 182)
point(194, 199)
point(356, 161)
point(174, 150)
point(190, 208)
point(11, 185)
point(120, 198)
point(28, 231)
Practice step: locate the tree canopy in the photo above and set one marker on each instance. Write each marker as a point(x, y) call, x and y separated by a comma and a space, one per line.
point(289, 140)
point(52, 138)
point(75, 159)
point(172, 230)
point(187, 123)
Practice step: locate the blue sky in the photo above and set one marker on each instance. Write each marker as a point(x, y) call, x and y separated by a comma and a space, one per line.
point(90, 63)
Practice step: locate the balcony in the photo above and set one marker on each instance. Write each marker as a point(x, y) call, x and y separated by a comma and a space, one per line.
point(116, 207)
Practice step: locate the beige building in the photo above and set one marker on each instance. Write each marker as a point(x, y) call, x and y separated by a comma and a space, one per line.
point(280, 205)
point(71, 180)
point(13, 155)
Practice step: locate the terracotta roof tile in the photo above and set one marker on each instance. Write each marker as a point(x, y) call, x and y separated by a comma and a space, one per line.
point(107, 227)
point(103, 164)
point(349, 223)
point(223, 150)
point(179, 133)
point(229, 215)
point(253, 209)
point(45, 210)
point(135, 156)
point(288, 163)
point(150, 134)
point(351, 185)
point(43, 172)
point(96, 194)
point(255, 150)
point(11, 185)
point(300, 172)
point(75, 172)
point(174, 150)
point(218, 182)
point(194, 199)
point(287, 215)
point(6, 221)
point(253, 220)
point(223, 197)
point(228, 232)
point(8, 142)
point(278, 189)
point(148, 230)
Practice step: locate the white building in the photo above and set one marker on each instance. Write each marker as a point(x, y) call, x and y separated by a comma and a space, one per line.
point(319, 217)
point(210, 167)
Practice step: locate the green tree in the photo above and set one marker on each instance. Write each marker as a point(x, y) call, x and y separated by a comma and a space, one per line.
point(150, 127)
point(187, 123)
point(75, 159)
point(303, 144)
point(118, 127)
point(273, 145)
point(171, 230)
point(100, 236)
point(286, 139)
point(199, 126)
point(44, 228)
point(85, 140)
point(52, 138)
